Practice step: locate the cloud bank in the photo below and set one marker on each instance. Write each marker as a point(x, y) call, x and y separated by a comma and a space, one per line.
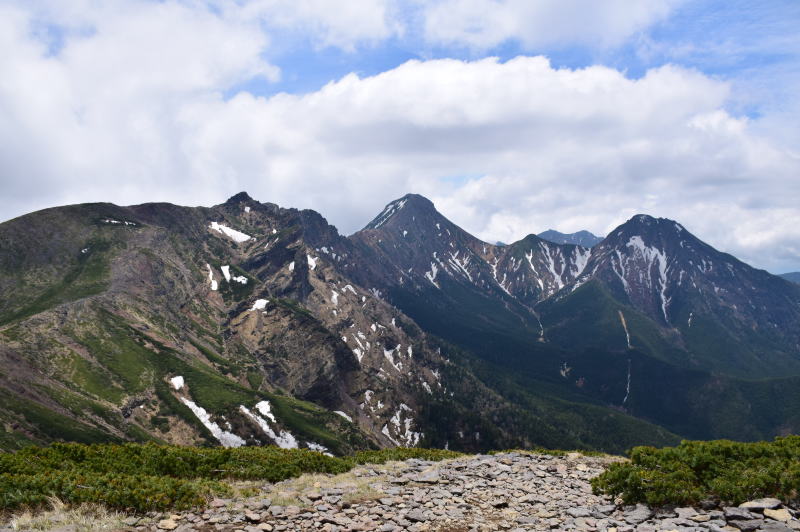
point(140, 104)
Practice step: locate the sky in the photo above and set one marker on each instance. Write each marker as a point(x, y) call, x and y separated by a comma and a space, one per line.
point(512, 116)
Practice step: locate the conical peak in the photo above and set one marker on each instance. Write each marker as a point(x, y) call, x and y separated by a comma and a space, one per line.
point(409, 205)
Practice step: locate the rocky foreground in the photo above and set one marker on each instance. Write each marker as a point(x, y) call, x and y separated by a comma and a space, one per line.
point(512, 491)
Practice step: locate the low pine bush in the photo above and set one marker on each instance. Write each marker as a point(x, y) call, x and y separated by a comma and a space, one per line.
point(145, 477)
point(725, 471)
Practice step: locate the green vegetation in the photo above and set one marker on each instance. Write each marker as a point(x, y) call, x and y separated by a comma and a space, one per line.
point(158, 477)
point(87, 277)
point(721, 470)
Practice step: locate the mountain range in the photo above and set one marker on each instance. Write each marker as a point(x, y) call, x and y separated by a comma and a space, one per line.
point(249, 323)
point(580, 238)
point(792, 276)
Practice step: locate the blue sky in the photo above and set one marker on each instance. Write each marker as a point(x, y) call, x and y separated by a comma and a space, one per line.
point(592, 111)
point(734, 40)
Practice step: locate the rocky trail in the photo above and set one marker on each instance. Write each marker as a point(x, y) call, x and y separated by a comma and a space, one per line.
point(511, 491)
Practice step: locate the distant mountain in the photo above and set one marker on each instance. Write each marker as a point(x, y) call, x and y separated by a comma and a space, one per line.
point(791, 276)
point(649, 308)
point(581, 238)
point(249, 323)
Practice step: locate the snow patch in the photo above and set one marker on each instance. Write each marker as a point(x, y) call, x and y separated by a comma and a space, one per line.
point(312, 261)
point(233, 234)
point(431, 275)
point(389, 355)
point(260, 304)
point(225, 438)
point(319, 448)
point(348, 418)
point(226, 272)
point(387, 213)
point(211, 277)
point(284, 440)
point(177, 382)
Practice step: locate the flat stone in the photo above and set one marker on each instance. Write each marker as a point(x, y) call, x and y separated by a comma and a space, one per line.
point(741, 514)
point(639, 515)
point(167, 524)
point(761, 504)
point(579, 511)
point(778, 515)
point(746, 525)
point(430, 476)
point(775, 526)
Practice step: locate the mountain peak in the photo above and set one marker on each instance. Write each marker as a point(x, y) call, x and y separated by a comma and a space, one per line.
point(581, 238)
point(241, 197)
point(410, 205)
point(649, 226)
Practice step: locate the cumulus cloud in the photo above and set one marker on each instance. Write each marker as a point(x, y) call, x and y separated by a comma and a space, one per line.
point(484, 24)
point(135, 106)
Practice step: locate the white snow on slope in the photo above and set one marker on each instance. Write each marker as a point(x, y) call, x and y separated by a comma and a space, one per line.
point(389, 355)
point(582, 256)
point(291, 266)
point(334, 297)
point(177, 382)
point(312, 261)
point(431, 275)
point(211, 277)
point(387, 213)
point(233, 234)
point(651, 255)
point(529, 256)
point(284, 440)
point(260, 304)
point(225, 438)
point(240, 279)
point(226, 272)
point(318, 447)
point(460, 264)
point(551, 263)
point(348, 418)
point(402, 421)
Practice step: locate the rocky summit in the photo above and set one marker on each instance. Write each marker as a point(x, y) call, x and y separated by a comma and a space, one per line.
point(507, 491)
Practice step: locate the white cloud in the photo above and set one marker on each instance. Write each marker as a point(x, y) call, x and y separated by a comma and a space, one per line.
point(482, 24)
point(136, 110)
point(340, 24)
